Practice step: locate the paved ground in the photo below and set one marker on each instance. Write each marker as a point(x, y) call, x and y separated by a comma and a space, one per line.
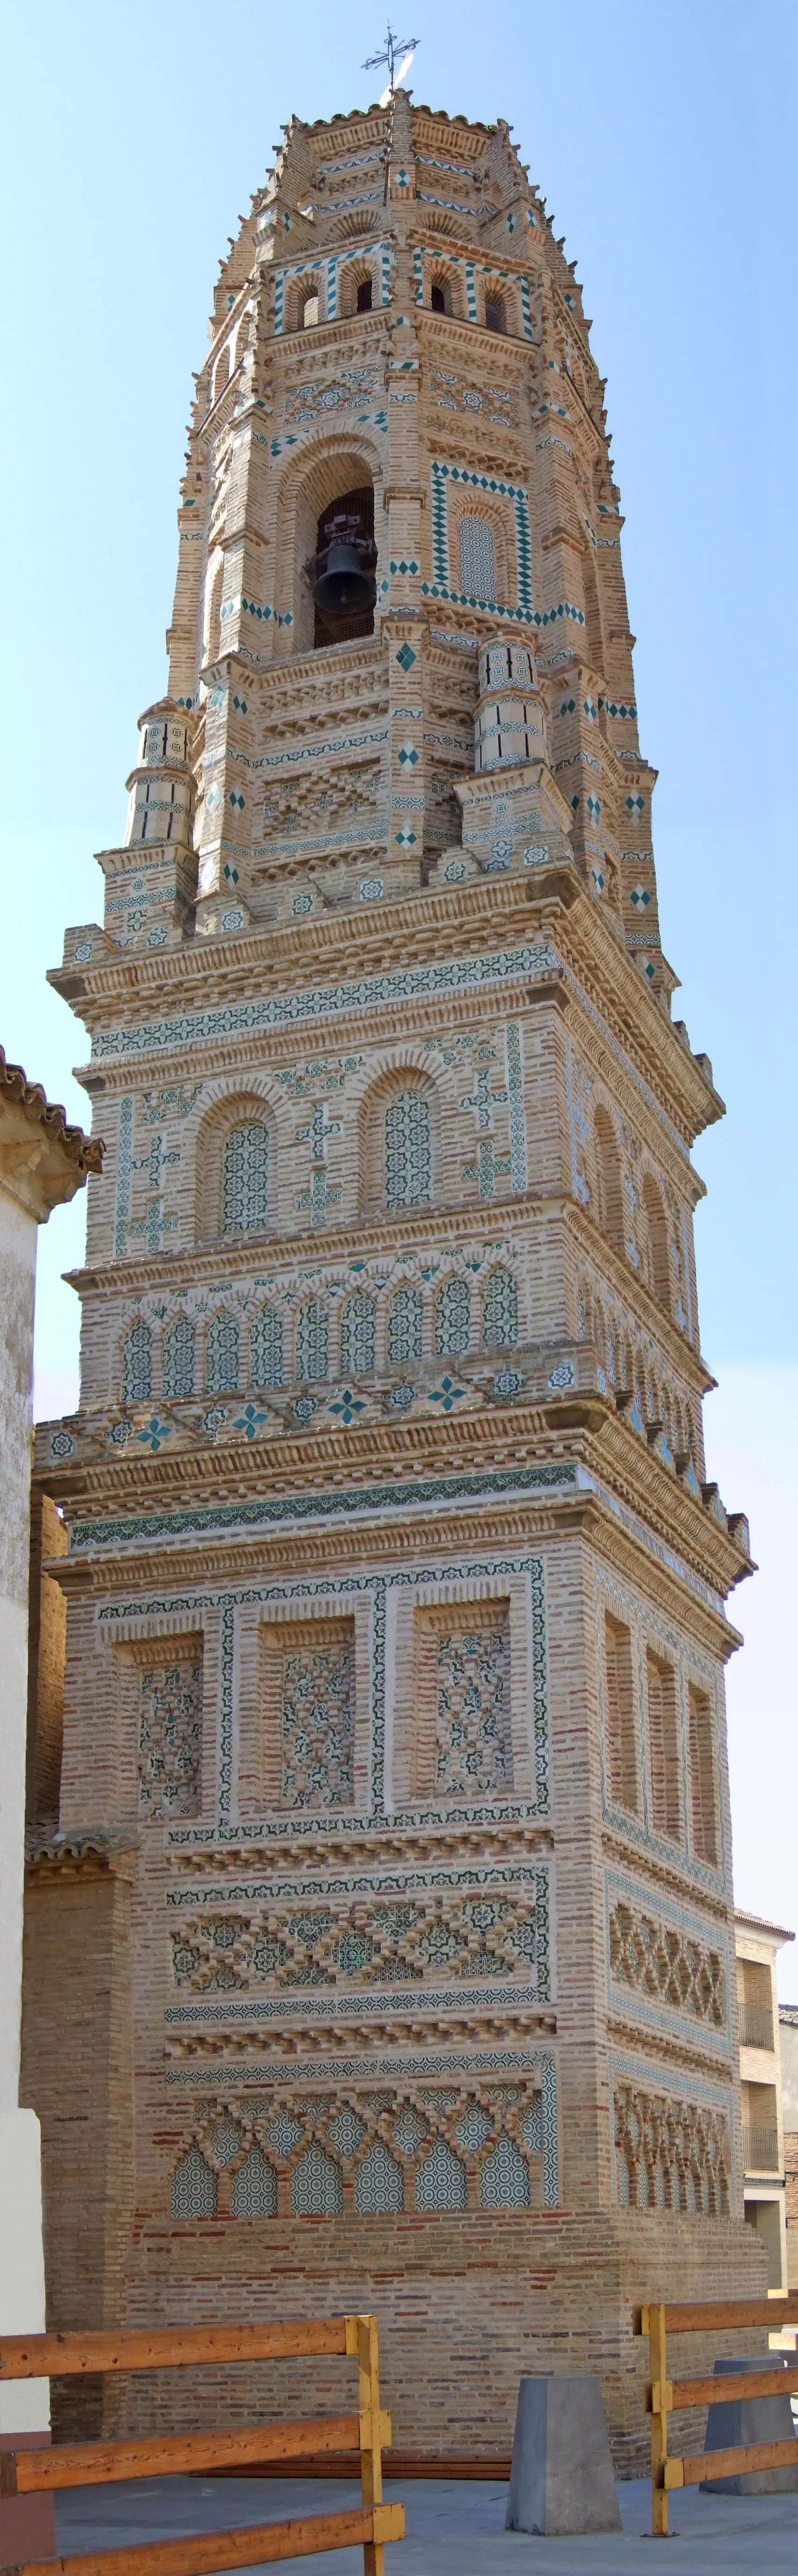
point(453, 2528)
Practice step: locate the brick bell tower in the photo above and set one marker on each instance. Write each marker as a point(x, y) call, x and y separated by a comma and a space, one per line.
point(386, 1939)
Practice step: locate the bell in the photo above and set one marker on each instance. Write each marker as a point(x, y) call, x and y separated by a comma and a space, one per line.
point(344, 589)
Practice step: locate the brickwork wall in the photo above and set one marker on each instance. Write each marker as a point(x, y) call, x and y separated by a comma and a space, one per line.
point(554, 2293)
point(77, 2075)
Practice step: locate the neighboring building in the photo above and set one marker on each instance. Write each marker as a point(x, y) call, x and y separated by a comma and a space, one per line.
point(384, 1953)
point(43, 1161)
point(757, 1945)
point(788, 2044)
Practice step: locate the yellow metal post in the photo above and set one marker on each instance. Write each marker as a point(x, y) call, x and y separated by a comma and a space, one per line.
point(660, 2393)
point(366, 2345)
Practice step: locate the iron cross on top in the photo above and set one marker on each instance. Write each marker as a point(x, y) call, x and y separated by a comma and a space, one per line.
point(394, 46)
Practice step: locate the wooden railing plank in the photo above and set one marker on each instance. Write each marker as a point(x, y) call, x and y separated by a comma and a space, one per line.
point(716, 2316)
point(732, 2464)
point(78, 2464)
point(51, 2356)
point(206, 2552)
point(725, 2390)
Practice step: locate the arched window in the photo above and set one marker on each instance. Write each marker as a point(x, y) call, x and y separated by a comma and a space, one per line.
point(137, 1364)
point(477, 558)
point(609, 1186)
point(178, 1358)
point(495, 313)
point(312, 1340)
point(441, 296)
point(246, 1165)
point(358, 1335)
point(656, 1244)
point(308, 302)
point(500, 1312)
point(221, 1356)
point(404, 1326)
point(364, 296)
point(266, 1346)
point(408, 1151)
point(453, 1317)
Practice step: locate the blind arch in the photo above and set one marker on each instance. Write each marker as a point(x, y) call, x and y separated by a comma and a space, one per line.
point(222, 1354)
point(408, 1150)
point(477, 557)
point(246, 1177)
point(312, 1340)
point(358, 1335)
point(137, 1363)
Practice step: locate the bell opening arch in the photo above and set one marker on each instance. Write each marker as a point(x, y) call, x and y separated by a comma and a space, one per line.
point(339, 481)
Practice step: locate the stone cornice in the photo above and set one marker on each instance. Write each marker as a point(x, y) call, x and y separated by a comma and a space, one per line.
point(236, 969)
point(571, 1458)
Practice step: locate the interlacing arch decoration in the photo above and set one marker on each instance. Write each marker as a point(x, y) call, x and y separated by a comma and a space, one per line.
point(670, 2154)
point(434, 2149)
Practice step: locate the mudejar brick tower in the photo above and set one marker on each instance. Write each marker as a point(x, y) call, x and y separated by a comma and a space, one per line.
point(384, 1944)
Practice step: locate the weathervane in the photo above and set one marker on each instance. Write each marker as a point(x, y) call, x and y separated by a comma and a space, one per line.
point(404, 45)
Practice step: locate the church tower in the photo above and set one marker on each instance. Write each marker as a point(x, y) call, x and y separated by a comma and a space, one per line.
point(386, 1937)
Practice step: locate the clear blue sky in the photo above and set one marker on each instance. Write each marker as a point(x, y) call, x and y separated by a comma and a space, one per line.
point(664, 138)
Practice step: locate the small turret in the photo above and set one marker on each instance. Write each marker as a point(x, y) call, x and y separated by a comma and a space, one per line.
point(160, 785)
point(508, 721)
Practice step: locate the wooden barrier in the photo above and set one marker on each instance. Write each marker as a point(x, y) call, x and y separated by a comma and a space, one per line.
point(663, 2396)
point(28, 2471)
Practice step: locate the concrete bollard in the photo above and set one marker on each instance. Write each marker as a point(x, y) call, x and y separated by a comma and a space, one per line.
point(561, 2478)
point(751, 2419)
